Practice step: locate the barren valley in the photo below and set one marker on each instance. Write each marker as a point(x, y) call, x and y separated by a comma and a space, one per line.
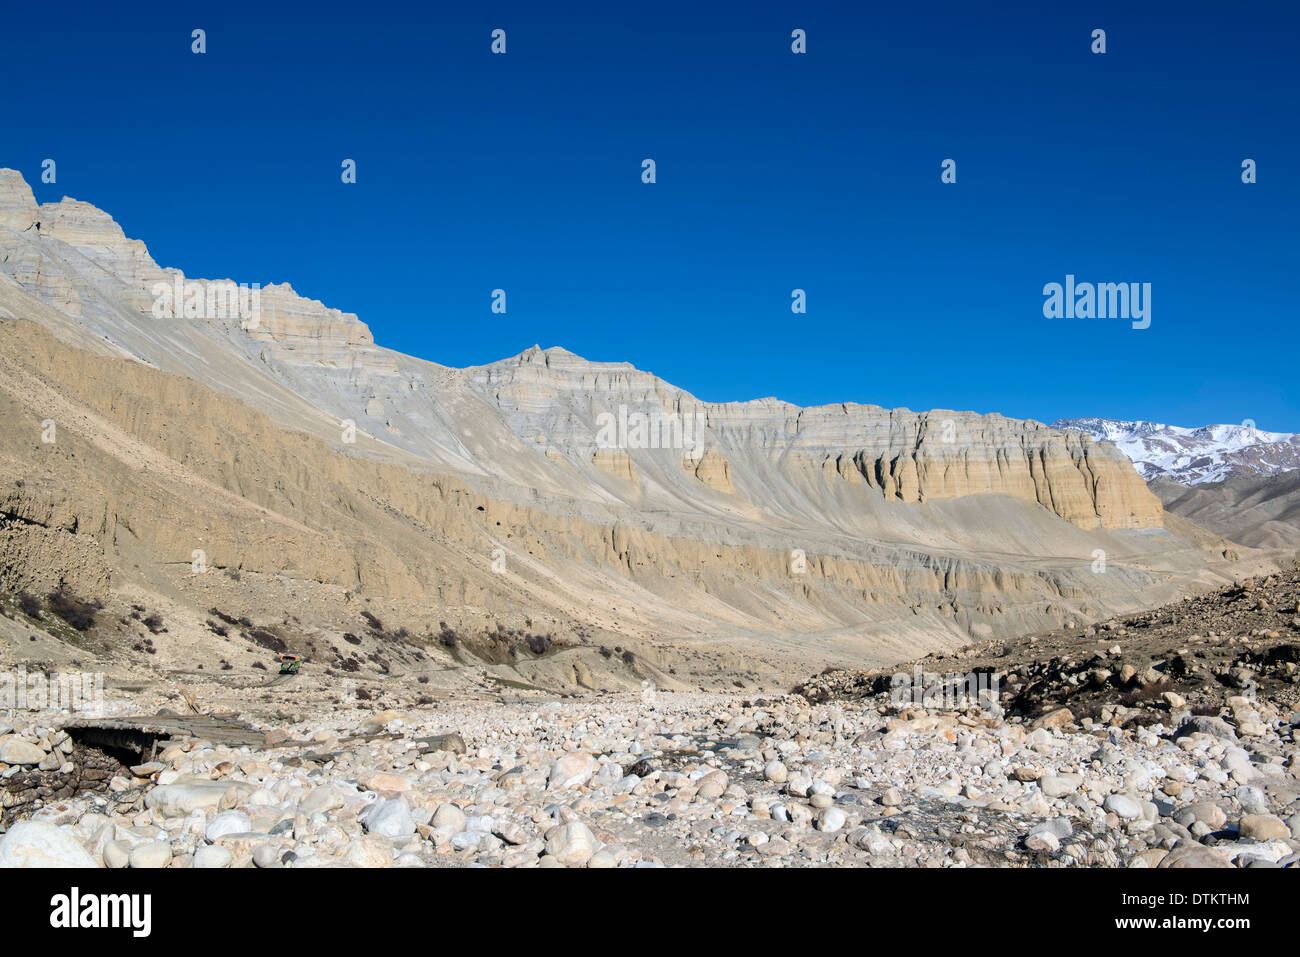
point(521, 643)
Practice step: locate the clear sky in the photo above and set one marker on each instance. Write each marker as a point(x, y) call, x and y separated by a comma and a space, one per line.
point(775, 171)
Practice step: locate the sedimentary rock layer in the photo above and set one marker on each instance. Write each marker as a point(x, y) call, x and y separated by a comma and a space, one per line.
point(290, 447)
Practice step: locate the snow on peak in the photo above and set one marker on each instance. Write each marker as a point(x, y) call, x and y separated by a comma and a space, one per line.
point(1210, 453)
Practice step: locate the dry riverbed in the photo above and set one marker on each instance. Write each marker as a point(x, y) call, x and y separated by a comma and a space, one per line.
point(669, 779)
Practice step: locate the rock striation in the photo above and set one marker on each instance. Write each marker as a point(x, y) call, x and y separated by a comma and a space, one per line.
point(289, 448)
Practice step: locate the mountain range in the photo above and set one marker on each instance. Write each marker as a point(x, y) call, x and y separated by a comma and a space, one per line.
point(274, 461)
point(1196, 456)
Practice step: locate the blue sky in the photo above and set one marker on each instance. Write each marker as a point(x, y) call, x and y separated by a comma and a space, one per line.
point(775, 171)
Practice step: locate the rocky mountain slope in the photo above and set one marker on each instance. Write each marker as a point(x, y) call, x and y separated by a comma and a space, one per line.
point(1262, 511)
point(1211, 453)
point(283, 466)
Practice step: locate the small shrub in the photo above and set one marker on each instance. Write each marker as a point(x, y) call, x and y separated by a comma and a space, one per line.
point(77, 613)
point(29, 604)
point(265, 639)
point(1146, 694)
point(231, 619)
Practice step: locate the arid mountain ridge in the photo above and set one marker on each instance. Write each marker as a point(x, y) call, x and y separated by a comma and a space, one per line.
point(790, 538)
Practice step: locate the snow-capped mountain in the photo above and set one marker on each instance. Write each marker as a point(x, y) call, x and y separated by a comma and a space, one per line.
point(1211, 453)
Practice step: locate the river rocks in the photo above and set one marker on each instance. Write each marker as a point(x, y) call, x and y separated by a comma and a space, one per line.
point(831, 819)
point(1058, 718)
point(1206, 724)
point(1043, 842)
point(821, 789)
point(384, 782)
point(1252, 800)
point(510, 832)
point(1149, 858)
point(1205, 812)
point(452, 743)
point(183, 798)
point(1124, 806)
point(322, 799)
point(469, 839)
point(449, 816)
point(572, 844)
point(605, 783)
point(571, 769)
point(1058, 827)
point(368, 852)
point(116, 855)
point(151, 855)
point(1263, 827)
point(381, 720)
point(227, 822)
point(212, 857)
point(1059, 785)
point(35, 844)
point(15, 750)
point(1190, 854)
point(265, 855)
point(1236, 761)
point(712, 785)
point(799, 784)
point(801, 815)
point(390, 819)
